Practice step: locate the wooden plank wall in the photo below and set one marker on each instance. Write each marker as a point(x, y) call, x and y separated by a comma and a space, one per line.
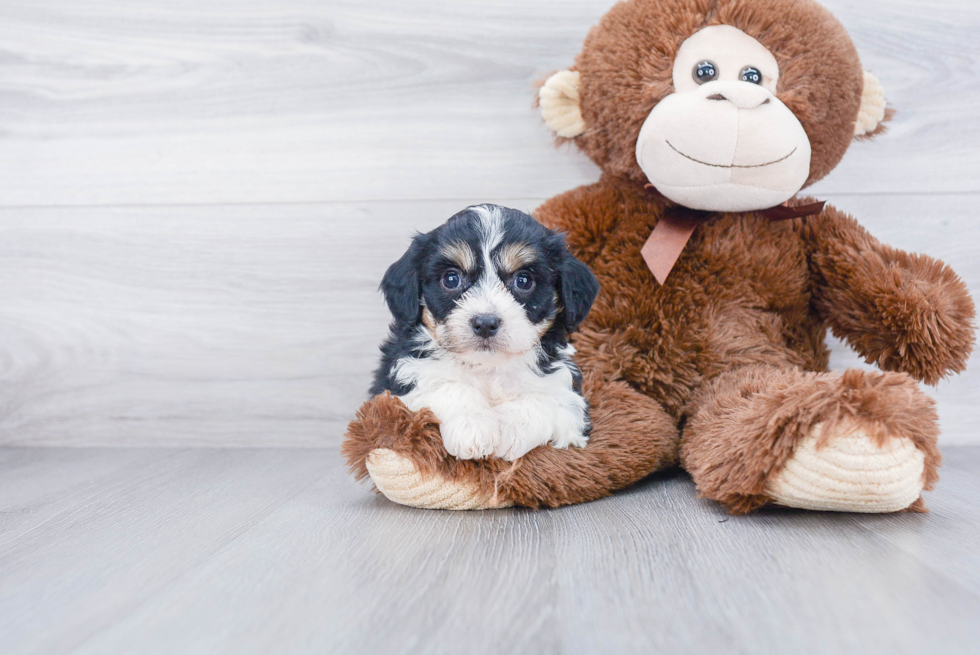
point(197, 199)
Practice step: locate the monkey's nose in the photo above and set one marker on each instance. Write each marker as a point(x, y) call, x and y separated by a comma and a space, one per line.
point(743, 95)
point(485, 325)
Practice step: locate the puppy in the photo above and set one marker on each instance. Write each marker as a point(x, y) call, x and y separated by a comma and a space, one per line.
point(482, 307)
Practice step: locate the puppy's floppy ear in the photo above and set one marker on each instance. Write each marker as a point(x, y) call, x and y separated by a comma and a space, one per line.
point(579, 288)
point(402, 284)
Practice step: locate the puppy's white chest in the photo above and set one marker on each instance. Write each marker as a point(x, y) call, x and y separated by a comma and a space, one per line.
point(502, 386)
point(503, 412)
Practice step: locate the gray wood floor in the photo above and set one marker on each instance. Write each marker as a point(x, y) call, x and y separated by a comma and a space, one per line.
point(278, 551)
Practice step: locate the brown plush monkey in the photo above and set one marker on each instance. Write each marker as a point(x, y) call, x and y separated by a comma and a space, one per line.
point(707, 117)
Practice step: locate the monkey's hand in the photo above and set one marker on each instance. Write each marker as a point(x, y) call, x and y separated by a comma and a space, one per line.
point(901, 311)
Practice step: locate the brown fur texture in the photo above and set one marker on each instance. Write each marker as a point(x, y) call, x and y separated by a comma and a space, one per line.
point(901, 311)
point(725, 362)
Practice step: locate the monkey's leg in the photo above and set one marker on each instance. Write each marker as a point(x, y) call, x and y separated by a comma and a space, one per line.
point(632, 436)
point(854, 441)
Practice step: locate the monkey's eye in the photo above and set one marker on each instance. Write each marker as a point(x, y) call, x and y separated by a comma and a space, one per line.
point(705, 72)
point(451, 279)
point(750, 74)
point(524, 281)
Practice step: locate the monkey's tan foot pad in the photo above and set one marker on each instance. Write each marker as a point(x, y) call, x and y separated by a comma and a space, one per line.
point(850, 473)
point(400, 480)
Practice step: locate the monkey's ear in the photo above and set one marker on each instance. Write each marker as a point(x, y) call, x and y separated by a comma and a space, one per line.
point(559, 99)
point(873, 112)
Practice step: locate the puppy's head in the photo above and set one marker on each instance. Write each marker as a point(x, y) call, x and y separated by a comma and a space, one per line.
point(491, 282)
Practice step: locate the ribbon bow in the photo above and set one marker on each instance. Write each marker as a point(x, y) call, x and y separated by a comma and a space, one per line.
point(671, 234)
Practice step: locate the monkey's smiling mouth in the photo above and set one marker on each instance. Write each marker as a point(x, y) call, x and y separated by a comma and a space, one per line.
point(775, 161)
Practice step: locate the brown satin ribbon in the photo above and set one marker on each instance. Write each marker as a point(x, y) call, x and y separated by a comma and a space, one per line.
point(666, 243)
point(672, 232)
point(785, 212)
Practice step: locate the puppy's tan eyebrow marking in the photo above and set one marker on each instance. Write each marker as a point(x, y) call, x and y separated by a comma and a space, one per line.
point(460, 253)
point(515, 255)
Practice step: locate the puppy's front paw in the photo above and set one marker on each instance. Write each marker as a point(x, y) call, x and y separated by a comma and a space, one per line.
point(569, 431)
point(571, 440)
point(523, 426)
point(471, 436)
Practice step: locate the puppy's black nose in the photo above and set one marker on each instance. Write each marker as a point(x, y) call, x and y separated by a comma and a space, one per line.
point(485, 325)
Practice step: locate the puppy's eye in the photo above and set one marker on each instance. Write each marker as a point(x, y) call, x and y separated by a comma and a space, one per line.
point(451, 279)
point(750, 74)
point(523, 281)
point(705, 72)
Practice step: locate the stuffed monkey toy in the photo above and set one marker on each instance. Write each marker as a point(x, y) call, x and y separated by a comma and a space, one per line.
point(705, 346)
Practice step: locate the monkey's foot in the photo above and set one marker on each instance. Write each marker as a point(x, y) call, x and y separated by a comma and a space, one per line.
point(850, 471)
point(400, 480)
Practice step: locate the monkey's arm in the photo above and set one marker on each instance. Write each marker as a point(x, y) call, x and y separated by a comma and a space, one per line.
point(901, 311)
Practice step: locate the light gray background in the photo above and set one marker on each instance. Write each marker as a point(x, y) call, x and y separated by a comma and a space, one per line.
point(198, 199)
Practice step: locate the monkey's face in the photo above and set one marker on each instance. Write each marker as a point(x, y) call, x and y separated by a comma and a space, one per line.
point(723, 105)
point(723, 141)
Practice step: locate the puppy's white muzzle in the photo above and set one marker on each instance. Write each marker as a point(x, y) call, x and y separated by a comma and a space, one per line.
point(513, 335)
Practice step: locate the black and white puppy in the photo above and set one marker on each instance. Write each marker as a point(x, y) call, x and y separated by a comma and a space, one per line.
point(483, 306)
